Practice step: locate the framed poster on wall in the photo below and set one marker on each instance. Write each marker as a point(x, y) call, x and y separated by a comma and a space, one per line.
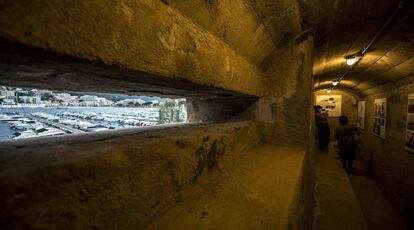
point(331, 103)
point(380, 117)
point(409, 133)
point(361, 114)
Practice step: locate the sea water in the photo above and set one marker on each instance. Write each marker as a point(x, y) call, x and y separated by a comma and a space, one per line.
point(6, 132)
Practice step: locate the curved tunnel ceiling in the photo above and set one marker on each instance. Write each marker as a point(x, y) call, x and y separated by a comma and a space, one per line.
point(347, 27)
point(256, 30)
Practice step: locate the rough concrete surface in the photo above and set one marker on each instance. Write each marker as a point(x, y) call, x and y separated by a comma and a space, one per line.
point(234, 22)
point(260, 193)
point(25, 66)
point(143, 35)
point(219, 109)
point(129, 181)
point(199, 41)
point(284, 115)
point(119, 182)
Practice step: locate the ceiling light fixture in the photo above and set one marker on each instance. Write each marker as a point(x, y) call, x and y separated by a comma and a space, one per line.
point(335, 82)
point(329, 90)
point(352, 60)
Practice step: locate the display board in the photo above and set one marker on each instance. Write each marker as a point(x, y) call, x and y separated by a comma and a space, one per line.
point(409, 134)
point(380, 117)
point(330, 103)
point(361, 114)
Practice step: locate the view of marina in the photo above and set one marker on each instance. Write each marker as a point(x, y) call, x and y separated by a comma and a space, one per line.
point(31, 113)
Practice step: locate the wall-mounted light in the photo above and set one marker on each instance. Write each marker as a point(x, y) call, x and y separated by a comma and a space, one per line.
point(335, 82)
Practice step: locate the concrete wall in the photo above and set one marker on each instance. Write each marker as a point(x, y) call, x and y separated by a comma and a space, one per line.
point(124, 181)
point(391, 165)
point(255, 48)
point(250, 47)
point(158, 179)
point(284, 115)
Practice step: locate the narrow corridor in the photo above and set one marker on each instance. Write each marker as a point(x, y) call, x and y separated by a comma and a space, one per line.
point(345, 201)
point(246, 85)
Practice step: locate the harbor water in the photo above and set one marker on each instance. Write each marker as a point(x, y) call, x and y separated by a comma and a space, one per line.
point(6, 132)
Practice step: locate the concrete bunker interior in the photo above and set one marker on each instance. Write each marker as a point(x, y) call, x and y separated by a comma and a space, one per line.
point(250, 71)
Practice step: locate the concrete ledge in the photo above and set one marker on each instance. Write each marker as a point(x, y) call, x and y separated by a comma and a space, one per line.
point(121, 182)
point(263, 192)
point(9, 146)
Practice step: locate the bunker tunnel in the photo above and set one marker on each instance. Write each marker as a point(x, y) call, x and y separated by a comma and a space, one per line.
point(246, 156)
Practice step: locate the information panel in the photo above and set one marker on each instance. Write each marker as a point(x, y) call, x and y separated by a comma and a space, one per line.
point(409, 134)
point(380, 117)
point(361, 114)
point(331, 103)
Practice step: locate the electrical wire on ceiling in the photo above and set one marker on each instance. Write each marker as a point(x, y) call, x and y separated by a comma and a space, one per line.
point(353, 60)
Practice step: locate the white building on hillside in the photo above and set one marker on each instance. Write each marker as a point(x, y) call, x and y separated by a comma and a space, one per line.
point(10, 94)
point(130, 102)
point(35, 100)
point(94, 101)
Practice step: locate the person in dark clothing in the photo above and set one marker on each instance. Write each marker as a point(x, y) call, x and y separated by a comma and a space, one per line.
point(321, 120)
point(346, 135)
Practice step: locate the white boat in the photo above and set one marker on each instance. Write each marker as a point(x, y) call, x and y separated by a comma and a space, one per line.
point(98, 129)
point(4, 117)
point(50, 132)
point(40, 132)
point(25, 134)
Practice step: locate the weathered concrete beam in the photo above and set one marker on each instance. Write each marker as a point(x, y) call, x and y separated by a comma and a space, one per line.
point(24, 66)
point(142, 35)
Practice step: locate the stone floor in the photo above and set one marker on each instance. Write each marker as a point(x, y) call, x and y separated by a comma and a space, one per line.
point(345, 201)
point(379, 213)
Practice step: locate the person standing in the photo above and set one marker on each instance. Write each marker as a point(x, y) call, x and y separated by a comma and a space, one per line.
point(346, 135)
point(321, 120)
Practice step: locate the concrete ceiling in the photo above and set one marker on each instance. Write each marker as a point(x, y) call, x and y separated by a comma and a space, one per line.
point(227, 44)
point(255, 29)
point(211, 36)
point(346, 27)
point(342, 27)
